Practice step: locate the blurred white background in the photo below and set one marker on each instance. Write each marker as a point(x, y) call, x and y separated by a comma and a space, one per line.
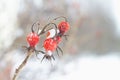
point(92, 51)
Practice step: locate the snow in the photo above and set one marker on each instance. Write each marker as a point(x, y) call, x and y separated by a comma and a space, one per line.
point(106, 67)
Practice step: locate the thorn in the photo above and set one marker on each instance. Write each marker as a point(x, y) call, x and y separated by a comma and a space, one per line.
point(53, 57)
point(36, 53)
point(41, 52)
point(43, 58)
point(57, 52)
point(60, 50)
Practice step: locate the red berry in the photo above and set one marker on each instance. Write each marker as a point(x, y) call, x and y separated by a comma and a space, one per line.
point(50, 44)
point(63, 26)
point(32, 39)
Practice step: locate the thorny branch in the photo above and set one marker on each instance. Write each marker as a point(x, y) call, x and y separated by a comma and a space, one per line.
point(29, 53)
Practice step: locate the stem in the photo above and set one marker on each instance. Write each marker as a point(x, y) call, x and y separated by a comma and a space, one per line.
point(43, 30)
point(22, 64)
point(61, 17)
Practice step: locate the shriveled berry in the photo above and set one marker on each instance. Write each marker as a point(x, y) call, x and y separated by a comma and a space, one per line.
point(32, 39)
point(48, 34)
point(63, 26)
point(50, 44)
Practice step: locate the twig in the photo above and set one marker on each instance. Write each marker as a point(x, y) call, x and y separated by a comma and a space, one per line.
point(22, 64)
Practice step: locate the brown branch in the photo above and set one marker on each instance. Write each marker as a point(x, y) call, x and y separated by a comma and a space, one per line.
point(22, 64)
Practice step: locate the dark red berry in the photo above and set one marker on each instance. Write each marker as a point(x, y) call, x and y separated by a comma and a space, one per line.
point(58, 39)
point(63, 26)
point(32, 39)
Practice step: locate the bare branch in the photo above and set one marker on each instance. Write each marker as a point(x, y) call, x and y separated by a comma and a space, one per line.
point(22, 64)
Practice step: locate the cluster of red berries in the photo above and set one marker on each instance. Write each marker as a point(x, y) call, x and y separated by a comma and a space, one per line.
point(50, 43)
